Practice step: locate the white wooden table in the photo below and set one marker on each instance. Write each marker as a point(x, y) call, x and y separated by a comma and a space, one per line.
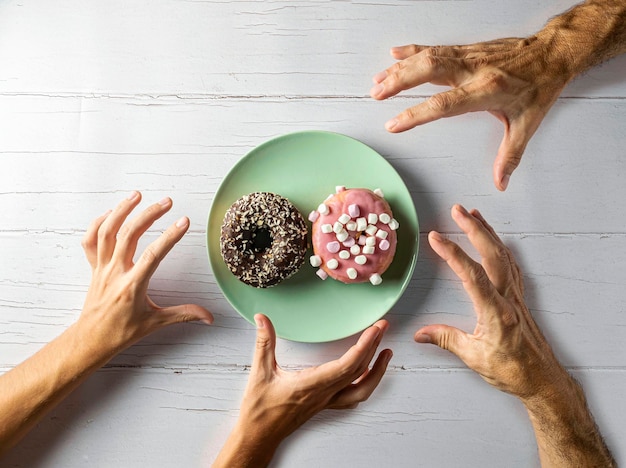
point(165, 96)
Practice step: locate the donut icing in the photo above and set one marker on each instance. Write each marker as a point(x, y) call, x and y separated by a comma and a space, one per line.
point(354, 236)
point(263, 239)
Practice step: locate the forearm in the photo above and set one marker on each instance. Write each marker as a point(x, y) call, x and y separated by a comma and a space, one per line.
point(586, 35)
point(246, 449)
point(565, 430)
point(37, 385)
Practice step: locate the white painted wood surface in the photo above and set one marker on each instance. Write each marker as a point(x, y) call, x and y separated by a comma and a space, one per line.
point(164, 96)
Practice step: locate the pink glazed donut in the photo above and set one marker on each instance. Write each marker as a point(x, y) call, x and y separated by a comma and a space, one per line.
point(354, 236)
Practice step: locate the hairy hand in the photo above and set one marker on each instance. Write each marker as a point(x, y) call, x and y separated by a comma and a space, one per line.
point(117, 299)
point(514, 79)
point(506, 348)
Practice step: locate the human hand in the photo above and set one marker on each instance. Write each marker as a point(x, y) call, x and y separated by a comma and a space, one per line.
point(276, 402)
point(517, 80)
point(117, 301)
point(506, 348)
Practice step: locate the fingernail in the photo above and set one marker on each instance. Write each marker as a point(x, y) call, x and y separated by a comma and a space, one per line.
point(436, 236)
point(391, 124)
point(182, 222)
point(259, 322)
point(208, 322)
point(380, 76)
point(164, 201)
point(461, 209)
point(133, 196)
point(376, 90)
point(504, 182)
point(422, 338)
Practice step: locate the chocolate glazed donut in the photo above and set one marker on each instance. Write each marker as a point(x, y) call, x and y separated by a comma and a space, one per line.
point(263, 239)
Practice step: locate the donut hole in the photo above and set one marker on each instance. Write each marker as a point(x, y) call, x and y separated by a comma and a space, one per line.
point(261, 239)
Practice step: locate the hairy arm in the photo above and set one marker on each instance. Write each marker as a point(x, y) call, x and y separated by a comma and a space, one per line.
point(565, 430)
point(508, 350)
point(515, 79)
point(586, 35)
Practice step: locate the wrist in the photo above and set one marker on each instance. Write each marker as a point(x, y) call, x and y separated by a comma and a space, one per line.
point(584, 36)
point(247, 447)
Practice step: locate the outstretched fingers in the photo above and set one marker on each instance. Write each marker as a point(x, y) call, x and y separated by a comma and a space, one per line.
point(155, 252)
point(472, 275)
point(90, 239)
point(132, 231)
point(107, 233)
point(496, 259)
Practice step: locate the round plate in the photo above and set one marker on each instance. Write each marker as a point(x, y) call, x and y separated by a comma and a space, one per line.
point(305, 167)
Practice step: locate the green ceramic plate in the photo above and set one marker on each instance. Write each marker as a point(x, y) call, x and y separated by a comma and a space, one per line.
point(306, 167)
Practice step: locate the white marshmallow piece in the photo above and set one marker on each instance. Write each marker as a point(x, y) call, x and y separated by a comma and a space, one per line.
point(323, 209)
point(393, 224)
point(327, 228)
point(376, 279)
point(313, 215)
point(332, 264)
point(340, 188)
point(384, 218)
point(363, 240)
point(372, 218)
point(344, 218)
point(351, 226)
point(384, 244)
point(379, 192)
point(322, 274)
point(370, 241)
point(355, 250)
point(343, 235)
point(354, 211)
point(360, 259)
point(371, 229)
point(344, 255)
point(337, 227)
point(368, 250)
point(315, 260)
point(352, 274)
point(361, 224)
point(329, 197)
point(382, 234)
point(333, 247)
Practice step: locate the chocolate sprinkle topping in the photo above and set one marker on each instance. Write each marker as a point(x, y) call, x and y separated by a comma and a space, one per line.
point(263, 239)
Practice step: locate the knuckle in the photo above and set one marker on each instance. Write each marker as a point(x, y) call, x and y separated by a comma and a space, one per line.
point(150, 255)
point(440, 103)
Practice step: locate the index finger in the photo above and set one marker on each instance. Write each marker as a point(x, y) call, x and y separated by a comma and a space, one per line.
point(149, 260)
point(472, 275)
point(495, 256)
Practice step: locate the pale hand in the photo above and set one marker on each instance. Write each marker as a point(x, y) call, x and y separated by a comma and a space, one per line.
point(276, 402)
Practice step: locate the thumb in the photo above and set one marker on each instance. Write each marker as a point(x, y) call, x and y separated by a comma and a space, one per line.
point(264, 354)
point(186, 313)
point(517, 134)
point(508, 158)
point(444, 336)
